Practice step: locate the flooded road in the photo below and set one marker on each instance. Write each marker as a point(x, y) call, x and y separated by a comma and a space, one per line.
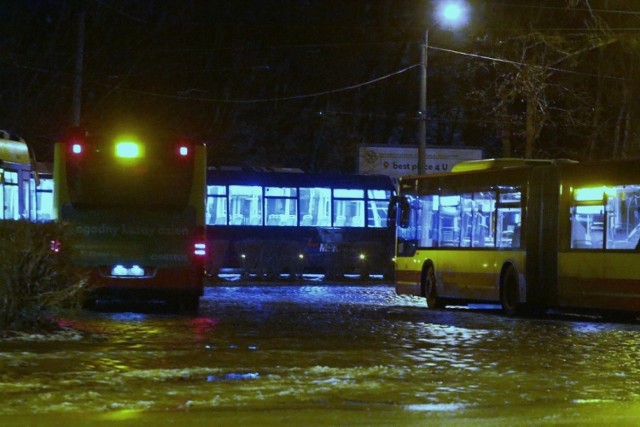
point(322, 355)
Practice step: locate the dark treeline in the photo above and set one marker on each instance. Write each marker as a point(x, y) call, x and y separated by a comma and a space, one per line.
point(303, 83)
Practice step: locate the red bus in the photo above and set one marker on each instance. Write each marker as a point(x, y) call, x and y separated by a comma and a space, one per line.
point(136, 206)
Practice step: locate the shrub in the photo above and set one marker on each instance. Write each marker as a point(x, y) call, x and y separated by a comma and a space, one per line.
point(36, 282)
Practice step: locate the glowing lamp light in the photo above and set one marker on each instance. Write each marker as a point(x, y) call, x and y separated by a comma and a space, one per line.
point(452, 13)
point(128, 150)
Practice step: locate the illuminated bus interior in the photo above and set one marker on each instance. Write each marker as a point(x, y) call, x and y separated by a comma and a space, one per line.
point(25, 192)
point(270, 221)
point(482, 219)
point(258, 205)
point(606, 218)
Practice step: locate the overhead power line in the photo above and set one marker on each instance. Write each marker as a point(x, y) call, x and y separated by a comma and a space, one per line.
point(369, 82)
point(337, 90)
point(284, 98)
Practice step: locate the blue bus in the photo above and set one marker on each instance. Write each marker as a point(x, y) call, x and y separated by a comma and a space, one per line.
point(269, 223)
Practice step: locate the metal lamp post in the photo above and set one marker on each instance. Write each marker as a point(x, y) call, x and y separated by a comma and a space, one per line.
point(452, 14)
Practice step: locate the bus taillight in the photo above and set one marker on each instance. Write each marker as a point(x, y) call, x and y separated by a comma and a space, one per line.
point(183, 150)
point(76, 141)
point(76, 148)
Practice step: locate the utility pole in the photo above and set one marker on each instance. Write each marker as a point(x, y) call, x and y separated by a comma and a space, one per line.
point(77, 74)
point(422, 114)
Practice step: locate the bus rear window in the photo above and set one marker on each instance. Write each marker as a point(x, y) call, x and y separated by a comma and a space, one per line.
point(159, 178)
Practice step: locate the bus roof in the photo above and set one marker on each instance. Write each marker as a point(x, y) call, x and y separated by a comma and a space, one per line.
point(489, 164)
point(291, 178)
point(13, 151)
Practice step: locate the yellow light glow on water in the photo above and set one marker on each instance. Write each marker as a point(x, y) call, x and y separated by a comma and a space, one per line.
point(122, 415)
point(592, 194)
point(128, 149)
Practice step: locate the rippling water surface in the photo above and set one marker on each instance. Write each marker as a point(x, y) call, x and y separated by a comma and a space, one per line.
point(322, 355)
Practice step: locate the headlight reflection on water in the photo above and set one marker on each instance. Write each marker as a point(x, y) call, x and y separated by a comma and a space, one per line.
point(233, 376)
point(435, 407)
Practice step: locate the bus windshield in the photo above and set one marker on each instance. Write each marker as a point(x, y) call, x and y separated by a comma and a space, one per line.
point(100, 176)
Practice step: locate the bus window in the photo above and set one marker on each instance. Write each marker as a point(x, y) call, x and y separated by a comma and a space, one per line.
point(42, 202)
point(508, 227)
point(449, 221)
point(509, 218)
point(10, 195)
point(315, 207)
point(377, 208)
point(615, 225)
point(245, 205)
point(216, 205)
point(2, 203)
point(25, 177)
point(623, 217)
point(281, 208)
point(482, 229)
point(426, 220)
point(467, 212)
point(587, 227)
point(348, 208)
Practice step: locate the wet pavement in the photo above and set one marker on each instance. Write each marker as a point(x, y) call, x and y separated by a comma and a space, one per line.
point(321, 355)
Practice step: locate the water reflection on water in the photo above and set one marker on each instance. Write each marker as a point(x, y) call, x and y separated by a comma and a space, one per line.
point(346, 353)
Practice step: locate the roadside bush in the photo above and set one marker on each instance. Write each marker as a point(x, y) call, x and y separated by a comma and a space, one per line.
point(36, 282)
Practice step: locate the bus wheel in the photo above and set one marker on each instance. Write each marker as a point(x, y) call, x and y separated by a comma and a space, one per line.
point(430, 290)
point(509, 292)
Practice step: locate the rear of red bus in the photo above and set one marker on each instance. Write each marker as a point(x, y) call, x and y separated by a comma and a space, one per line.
point(136, 207)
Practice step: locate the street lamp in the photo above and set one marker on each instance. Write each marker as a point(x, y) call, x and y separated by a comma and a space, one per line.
point(449, 14)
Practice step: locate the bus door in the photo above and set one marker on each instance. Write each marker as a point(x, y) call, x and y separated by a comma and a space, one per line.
point(541, 236)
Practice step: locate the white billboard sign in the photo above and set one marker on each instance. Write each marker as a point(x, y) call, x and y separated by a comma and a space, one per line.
point(397, 161)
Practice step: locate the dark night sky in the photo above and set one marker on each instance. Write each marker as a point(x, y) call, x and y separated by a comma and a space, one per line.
point(238, 73)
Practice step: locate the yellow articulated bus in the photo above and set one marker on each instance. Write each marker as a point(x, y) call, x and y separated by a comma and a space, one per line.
point(26, 187)
point(529, 234)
